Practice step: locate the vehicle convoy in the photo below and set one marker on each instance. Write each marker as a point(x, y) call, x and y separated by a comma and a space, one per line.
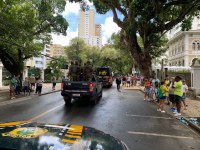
point(105, 76)
point(82, 84)
point(91, 89)
point(42, 136)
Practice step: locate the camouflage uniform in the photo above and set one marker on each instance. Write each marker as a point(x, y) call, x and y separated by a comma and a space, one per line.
point(87, 71)
point(76, 71)
point(71, 70)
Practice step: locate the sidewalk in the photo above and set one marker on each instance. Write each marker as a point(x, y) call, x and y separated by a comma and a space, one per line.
point(193, 109)
point(46, 89)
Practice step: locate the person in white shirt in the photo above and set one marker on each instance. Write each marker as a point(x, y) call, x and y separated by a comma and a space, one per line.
point(185, 89)
point(128, 81)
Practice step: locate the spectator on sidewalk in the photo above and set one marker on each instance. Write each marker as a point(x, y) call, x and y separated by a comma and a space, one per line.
point(26, 86)
point(167, 82)
point(32, 82)
point(185, 89)
point(17, 88)
point(124, 81)
point(171, 95)
point(147, 86)
point(118, 82)
point(178, 93)
point(162, 99)
point(13, 84)
point(39, 86)
point(53, 81)
point(128, 81)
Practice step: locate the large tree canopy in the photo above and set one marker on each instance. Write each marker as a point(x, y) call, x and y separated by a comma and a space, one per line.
point(25, 26)
point(150, 19)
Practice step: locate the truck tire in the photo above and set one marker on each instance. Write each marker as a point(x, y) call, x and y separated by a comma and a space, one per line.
point(67, 100)
point(93, 99)
point(101, 94)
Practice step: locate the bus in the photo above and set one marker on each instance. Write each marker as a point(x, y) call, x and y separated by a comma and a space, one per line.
point(104, 75)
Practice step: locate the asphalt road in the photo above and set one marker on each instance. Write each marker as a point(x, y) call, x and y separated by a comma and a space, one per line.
point(122, 114)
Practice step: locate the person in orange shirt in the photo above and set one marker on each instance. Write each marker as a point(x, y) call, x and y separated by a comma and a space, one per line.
point(147, 86)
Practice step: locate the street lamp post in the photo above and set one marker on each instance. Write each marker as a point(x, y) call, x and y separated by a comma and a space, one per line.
point(162, 68)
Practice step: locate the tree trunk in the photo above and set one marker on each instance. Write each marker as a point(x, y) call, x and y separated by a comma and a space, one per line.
point(15, 67)
point(142, 59)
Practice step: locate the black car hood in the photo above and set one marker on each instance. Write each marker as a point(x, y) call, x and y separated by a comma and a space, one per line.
point(39, 136)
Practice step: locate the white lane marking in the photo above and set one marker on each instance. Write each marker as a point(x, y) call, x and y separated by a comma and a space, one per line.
point(128, 115)
point(15, 101)
point(161, 135)
point(44, 113)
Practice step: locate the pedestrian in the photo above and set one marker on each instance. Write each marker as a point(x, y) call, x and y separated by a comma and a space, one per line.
point(171, 95)
point(128, 81)
point(151, 93)
point(118, 82)
point(178, 93)
point(167, 82)
point(147, 86)
point(26, 86)
point(13, 84)
point(162, 96)
point(39, 86)
point(32, 82)
point(17, 88)
point(185, 89)
point(53, 81)
point(124, 81)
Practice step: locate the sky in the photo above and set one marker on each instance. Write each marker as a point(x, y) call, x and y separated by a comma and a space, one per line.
point(71, 14)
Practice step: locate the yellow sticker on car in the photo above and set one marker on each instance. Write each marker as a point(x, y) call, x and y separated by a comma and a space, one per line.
point(25, 132)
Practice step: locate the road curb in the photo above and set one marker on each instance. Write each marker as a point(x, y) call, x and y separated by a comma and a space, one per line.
point(192, 125)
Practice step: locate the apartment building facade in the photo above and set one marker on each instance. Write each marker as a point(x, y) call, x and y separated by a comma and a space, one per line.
point(88, 30)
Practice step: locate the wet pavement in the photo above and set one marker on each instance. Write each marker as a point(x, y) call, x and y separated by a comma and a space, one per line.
point(122, 114)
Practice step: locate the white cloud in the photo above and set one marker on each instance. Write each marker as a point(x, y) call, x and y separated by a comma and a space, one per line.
point(71, 8)
point(108, 29)
point(64, 40)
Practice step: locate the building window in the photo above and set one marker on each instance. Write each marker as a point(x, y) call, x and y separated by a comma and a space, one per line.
point(196, 45)
point(183, 62)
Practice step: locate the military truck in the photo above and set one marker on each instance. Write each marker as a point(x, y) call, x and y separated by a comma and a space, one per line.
point(104, 75)
point(85, 90)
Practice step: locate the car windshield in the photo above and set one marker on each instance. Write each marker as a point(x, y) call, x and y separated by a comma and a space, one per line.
point(99, 74)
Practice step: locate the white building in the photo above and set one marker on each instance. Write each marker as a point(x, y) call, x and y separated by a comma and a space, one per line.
point(184, 46)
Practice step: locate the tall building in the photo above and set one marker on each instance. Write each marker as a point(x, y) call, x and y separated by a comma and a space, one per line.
point(88, 30)
point(184, 46)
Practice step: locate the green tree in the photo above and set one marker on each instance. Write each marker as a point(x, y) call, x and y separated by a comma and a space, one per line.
point(125, 61)
point(75, 50)
point(25, 26)
point(55, 65)
point(150, 19)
